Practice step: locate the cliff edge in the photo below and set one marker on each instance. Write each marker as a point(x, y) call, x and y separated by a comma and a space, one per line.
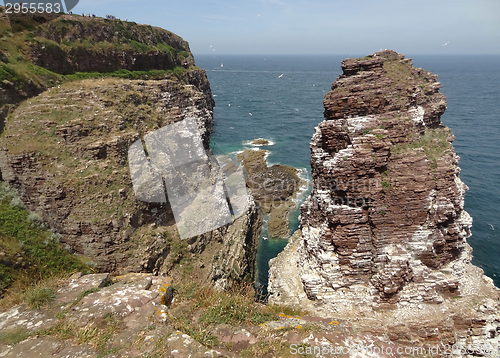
point(76, 93)
point(383, 232)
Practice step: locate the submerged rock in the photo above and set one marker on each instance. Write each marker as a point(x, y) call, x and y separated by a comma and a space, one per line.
point(260, 142)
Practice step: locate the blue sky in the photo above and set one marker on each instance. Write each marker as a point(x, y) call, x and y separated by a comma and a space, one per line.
point(318, 26)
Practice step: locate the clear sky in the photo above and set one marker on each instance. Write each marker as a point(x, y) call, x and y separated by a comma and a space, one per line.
point(318, 26)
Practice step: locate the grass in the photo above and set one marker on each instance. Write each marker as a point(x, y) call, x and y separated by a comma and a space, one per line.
point(33, 251)
point(363, 58)
point(24, 77)
point(434, 142)
point(96, 334)
point(14, 336)
point(235, 306)
point(38, 297)
point(275, 347)
point(177, 71)
point(398, 72)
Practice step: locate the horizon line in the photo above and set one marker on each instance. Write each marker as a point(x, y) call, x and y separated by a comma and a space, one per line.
point(339, 54)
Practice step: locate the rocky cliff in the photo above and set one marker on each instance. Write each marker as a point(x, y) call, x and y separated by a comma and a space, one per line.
point(37, 51)
point(68, 44)
point(383, 233)
point(65, 150)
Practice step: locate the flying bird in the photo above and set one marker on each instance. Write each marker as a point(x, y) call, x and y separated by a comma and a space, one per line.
point(446, 44)
point(280, 76)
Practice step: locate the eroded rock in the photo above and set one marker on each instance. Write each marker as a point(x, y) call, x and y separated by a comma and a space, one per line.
point(383, 233)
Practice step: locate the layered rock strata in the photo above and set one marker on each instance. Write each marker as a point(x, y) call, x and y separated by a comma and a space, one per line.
point(77, 44)
point(64, 44)
point(66, 152)
point(385, 225)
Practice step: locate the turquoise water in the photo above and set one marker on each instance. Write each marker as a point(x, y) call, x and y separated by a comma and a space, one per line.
point(286, 109)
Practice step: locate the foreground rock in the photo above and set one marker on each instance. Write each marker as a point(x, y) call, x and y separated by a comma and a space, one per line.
point(273, 188)
point(132, 316)
point(383, 233)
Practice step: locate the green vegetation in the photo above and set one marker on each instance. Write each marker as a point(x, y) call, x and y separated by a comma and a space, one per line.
point(97, 38)
point(385, 184)
point(37, 297)
point(177, 71)
point(13, 336)
point(31, 252)
point(363, 58)
point(90, 334)
point(398, 72)
point(235, 306)
point(434, 142)
point(275, 348)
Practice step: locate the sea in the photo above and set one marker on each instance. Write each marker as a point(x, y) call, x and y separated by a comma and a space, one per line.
point(280, 98)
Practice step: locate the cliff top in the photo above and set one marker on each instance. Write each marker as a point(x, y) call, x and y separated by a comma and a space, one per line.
point(40, 52)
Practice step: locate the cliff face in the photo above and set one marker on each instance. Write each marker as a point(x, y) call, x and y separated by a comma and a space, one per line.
point(67, 45)
point(387, 205)
point(66, 149)
point(384, 226)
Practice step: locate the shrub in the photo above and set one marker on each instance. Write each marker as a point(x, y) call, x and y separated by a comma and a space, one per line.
point(16, 202)
point(35, 219)
point(5, 277)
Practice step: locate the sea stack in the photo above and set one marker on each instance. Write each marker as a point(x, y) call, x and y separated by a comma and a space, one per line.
point(383, 232)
